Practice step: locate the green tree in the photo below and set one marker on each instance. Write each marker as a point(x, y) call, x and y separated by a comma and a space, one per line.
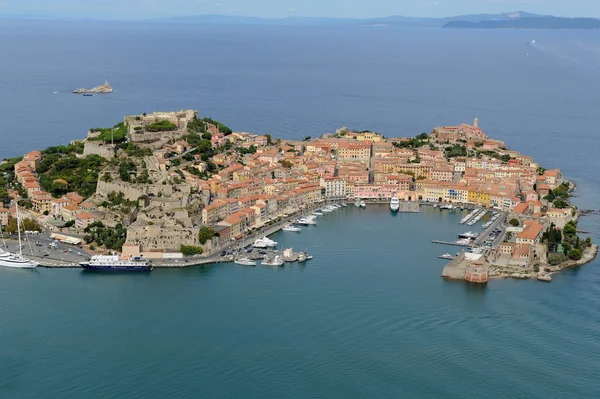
point(190, 250)
point(567, 247)
point(26, 225)
point(269, 139)
point(221, 127)
point(570, 229)
point(161, 126)
point(126, 169)
point(560, 203)
point(556, 259)
point(514, 222)
point(575, 254)
point(307, 138)
point(205, 234)
point(116, 134)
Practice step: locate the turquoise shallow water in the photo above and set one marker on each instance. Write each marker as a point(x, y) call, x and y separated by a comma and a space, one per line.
point(368, 317)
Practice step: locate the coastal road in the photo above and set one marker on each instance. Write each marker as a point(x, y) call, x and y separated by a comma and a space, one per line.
point(498, 224)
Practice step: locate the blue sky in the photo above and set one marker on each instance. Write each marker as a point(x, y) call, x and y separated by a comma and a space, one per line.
point(283, 8)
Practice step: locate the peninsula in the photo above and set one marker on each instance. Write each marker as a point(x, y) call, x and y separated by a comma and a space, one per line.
point(173, 184)
point(104, 88)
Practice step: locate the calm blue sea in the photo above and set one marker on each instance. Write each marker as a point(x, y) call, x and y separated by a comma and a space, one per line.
point(369, 317)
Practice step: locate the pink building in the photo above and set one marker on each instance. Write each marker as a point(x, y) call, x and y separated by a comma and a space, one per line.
point(371, 191)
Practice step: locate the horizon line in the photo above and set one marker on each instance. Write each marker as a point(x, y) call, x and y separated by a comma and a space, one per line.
point(31, 16)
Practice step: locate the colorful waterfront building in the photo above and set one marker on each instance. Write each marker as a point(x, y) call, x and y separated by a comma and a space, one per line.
point(479, 197)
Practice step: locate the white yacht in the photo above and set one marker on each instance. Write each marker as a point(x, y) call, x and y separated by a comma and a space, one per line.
point(17, 261)
point(8, 259)
point(274, 261)
point(394, 204)
point(343, 204)
point(469, 235)
point(362, 204)
point(327, 209)
point(318, 213)
point(245, 262)
point(357, 203)
point(306, 221)
point(291, 227)
point(264, 243)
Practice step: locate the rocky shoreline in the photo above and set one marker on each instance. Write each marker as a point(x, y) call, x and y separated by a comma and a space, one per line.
point(588, 256)
point(104, 88)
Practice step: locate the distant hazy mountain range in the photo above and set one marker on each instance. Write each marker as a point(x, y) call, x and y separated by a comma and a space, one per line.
point(528, 23)
point(511, 20)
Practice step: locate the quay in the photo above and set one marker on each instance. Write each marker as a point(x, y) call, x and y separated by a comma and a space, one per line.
point(456, 244)
point(405, 206)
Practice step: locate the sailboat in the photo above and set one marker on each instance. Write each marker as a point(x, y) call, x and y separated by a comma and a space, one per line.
point(8, 259)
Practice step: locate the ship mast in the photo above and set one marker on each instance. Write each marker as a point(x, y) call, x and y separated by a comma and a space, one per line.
point(19, 231)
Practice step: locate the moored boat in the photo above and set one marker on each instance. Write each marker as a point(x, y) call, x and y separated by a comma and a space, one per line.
point(394, 204)
point(17, 261)
point(264, 242)
point(117, 263)
point(245, 262)
point(274, 261)
point(291, 227)
point(470, 235)
point(306, 221)
point(362, 204)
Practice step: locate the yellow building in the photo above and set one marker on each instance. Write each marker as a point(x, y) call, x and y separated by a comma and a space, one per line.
point(479, 198)
point(375, 137)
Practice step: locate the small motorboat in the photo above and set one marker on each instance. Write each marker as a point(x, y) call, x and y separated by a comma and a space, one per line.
point(291, 227)
point(362, 204)
point(245, 262)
